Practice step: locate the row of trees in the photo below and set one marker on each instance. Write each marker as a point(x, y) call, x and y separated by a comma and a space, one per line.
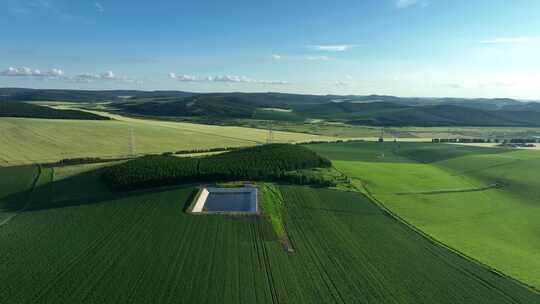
point(268, 162)
point(485, 140)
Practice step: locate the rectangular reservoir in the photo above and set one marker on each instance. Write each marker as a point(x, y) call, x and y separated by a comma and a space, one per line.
point(227, 200)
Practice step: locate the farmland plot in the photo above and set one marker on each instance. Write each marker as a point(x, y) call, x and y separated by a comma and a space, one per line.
point(352, 252)
point(447, 192)
point(142, 250)
point(145, 249)
point(26, 141)
point(14, 180)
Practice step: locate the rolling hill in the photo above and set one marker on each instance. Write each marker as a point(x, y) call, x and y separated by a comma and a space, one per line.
point(480, 201)
point(379, 113)
point(27, 110)
point(200, 105)
point(18, 94)
point(372, 110)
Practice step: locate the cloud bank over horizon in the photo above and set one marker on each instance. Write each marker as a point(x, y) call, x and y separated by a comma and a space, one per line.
point(224, 79)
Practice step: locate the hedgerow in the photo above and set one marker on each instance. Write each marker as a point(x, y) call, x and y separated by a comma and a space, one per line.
point(268, 162)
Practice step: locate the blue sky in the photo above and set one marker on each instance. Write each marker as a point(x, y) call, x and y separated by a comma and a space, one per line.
point(481, 48)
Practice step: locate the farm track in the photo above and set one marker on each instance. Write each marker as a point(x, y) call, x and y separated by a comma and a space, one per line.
point(447, 191)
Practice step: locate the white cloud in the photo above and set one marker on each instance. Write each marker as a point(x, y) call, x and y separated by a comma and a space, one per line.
point(273, 82)
point(87, 77)
point(341, 83)
point(56, 72)
point(24, 71)
point(99, 7)
point(333, 47)
point(511, 40)
point(59, 74)
point(230, 78)
point(28, 72)
point(109, 75)
point(183, 78)
point(224, 79)
point(276, 56)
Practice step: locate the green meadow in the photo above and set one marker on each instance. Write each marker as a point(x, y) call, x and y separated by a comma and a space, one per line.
point(27, 141)
point(483, 202)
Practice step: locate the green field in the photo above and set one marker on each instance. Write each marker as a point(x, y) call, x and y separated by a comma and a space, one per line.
point(14, 183)
point(441, 189)
point(17, 186)
point(15, 180)
point(335, 129)
point(80, 243)
point(25, 141)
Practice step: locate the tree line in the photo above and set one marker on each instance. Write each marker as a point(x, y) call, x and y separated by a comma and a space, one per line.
point(268, 162)
point(486, 140)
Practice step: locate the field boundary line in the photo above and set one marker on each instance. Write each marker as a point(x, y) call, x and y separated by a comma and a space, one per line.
point(446, 191)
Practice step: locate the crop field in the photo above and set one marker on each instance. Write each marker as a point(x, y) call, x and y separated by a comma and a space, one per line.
point(480, 201)
point(25, 141)
point(17, 185)
point(15, 180)
point(142, 248)
point(342, 130)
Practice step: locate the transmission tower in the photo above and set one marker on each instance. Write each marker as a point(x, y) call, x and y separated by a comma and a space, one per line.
point(131, 146)
point(270, 138)
point(381, 143)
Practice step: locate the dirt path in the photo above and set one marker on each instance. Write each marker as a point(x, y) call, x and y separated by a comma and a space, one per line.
point(445, 191)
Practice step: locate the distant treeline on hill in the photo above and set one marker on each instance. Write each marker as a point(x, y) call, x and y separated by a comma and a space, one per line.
point(27, 110)
point(486, 140)
point(268, 162)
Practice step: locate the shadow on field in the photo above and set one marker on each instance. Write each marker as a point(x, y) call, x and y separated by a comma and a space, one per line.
point(81, 189)
point(15, 202)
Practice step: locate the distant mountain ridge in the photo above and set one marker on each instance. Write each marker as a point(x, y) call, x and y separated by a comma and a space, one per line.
point(376, 110)
point(23, 94)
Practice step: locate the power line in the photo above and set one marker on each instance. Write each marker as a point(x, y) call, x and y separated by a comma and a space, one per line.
point(131, 145)
point(381, 143)
point(270, 138)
